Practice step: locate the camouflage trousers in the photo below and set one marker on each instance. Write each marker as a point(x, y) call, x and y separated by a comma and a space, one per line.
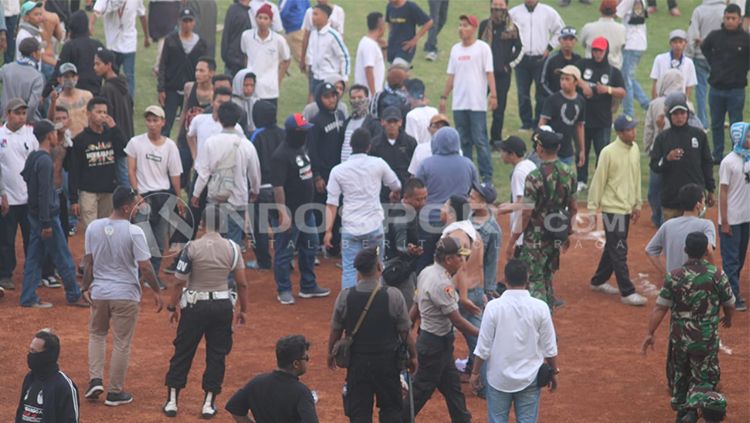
point(689, 370)
point(541, 263)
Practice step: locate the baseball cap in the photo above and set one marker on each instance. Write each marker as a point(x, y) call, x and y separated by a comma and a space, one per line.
point(326, 88)
point(571, 70)
point(486, 190)
point(676, 101)
point(471, 19)
point(391, 113)
point(401, 63)
point(548, 139)
point(187, 14)
point(68, 67)
point(677, 33)
point(415, 88)
point(599, 43)
point(123, 195)
point(297, 122)
point(625, 122)
point(450, 246)
point(568, 32)
point(440, 118)
point(515, 145)
point(42, 128)
point(29, 46)
point(29, 6)
point(265, 10)
point(15, 104)
point(154, 110)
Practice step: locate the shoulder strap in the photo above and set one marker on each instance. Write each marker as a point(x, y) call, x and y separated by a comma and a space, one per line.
point(235, 256)
point(257, 132)
point(364, 312)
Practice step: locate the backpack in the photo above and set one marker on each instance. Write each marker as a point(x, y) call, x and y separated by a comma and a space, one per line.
point(557, 221)
point(221, 183)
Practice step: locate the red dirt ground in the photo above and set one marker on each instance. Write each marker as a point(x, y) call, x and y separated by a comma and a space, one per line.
point(604, 378)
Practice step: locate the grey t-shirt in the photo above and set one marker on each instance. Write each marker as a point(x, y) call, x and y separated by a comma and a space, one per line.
point(671, 236)
point(436, 299)
point(190, 43)
point(116, 246)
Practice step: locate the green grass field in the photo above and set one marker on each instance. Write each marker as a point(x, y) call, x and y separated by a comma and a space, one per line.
point(294, 89)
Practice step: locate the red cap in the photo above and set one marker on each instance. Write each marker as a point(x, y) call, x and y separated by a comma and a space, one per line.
point(265, 9)
point(471, 19)
point(599, 43)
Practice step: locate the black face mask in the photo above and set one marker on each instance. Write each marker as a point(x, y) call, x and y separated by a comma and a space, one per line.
point(42, 363)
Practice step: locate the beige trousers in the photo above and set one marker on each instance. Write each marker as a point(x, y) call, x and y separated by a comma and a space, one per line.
point(121, 317)
point(94, 206)
point(294, 40)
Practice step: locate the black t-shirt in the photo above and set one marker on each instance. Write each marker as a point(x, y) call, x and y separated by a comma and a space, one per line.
point(563, 114)
point(290, 168)
point(404, 21)
point(274, 397)
point(550, 78)
point(599, 106)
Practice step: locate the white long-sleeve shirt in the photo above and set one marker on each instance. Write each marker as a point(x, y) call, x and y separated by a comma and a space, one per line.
point(327, 54)
point(515, 337)
point(246, 170)
point(15, 147)
point(538, 29)
point(359, 179)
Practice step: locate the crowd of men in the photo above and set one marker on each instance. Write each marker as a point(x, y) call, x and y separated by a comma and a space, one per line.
point(386, 183)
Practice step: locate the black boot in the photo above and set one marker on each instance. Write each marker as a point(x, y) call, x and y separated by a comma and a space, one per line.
point(170, 406)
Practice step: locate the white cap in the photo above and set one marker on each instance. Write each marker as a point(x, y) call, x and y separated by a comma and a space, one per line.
point(677, 33)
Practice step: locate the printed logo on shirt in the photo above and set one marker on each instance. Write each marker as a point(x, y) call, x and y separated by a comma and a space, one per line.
point(40, 397)
point(588, 73)
point(464, 58)
point(3, 143)
point(305, 171)
point(694, 142)
point(393, 20)
point(31, 414)
point(153, 157)
point(449, 291)
point(100, 154)
point(333, 126)
point(566, 118)
point(604, 79)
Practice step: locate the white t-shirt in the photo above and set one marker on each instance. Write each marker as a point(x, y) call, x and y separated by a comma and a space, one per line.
point(15, 147)
point(202, 127)
point(154, 163)
point(517, 188)
point(635, 35)
point(418, 123)
point(119, 23)
point(263, 58)
point(470, 65)
point(422, 152)
point(664, 62)
point(732, 173)
point(336, 20)
point(369, 54)
point(276, 24)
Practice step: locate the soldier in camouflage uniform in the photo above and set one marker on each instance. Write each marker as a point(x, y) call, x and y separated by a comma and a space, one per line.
point(694, 293)
point(549, 188)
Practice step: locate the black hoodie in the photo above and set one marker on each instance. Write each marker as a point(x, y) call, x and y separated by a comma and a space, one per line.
point(236, 21)
point(44, 203)
point(175, 66)
point(266, 138)
point(599, 106)
point(115, 90)
point(80, 51)
point(324, 140)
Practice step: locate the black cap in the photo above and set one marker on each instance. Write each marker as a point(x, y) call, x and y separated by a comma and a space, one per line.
point(106, 56)
point(187, 14)
point(486, 190)
point(391, 113)
point(515, 145)
point(326, 88)
point(549, 140)
point(123, 195)
point(415, 88)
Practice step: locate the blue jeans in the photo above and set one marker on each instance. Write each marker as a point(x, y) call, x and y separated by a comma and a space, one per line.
point(285, 244)
point(351, 245)
point(472, 128)
point(57, 247)
point(599, 137)
point(702, 71)
point(722, 102)
point(654, 197)
point(733, 253)
point(630, 60)
point(10, 23)
point(122, 172)
point(126, 61)
point(528, 71)
point(476, 296)
point(526, 403)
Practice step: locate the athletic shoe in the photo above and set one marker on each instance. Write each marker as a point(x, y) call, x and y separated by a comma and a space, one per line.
point(634, 299)
point(170, 407)
point(209, 409)
point(72, 231)
point(317, 261)
point(2, 292)
point(96, 388)
point(559, 303)
point(41, 304)
point(605, 288)
point(581, 186)
point(172, 268)
point(285, 298)
point(7, 284)
point(80, 303)
point(431, 56)
point(340, 265)
point(740, 305)
point(118, 398)
point(315, 292)
point(51, 282)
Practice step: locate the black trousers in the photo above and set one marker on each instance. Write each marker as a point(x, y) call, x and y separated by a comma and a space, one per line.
point(437, 370)
point(48, 268)
point(172, 103)
point(373, 377)
point(502, 85)
point(671, 4)
point(17, 216)
point(615, 254)
point(212, 319)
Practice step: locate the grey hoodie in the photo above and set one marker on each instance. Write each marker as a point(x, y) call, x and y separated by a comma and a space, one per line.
point(239, 98)
point(446, 172)
point(671, 81)
point(706, 18)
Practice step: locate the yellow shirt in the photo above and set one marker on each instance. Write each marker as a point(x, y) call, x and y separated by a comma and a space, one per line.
point(616, 187)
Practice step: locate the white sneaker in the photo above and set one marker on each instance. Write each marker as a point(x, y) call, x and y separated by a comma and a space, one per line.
point(634, 299)
point(431, 56)
point(582, 186)
point(605, 288)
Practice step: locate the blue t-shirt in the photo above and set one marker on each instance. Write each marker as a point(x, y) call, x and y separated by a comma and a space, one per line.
point(404, 21)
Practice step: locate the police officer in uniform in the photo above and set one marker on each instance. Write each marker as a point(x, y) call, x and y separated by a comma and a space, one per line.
point(204, 308)
point(377, 354)
point(436, 304)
